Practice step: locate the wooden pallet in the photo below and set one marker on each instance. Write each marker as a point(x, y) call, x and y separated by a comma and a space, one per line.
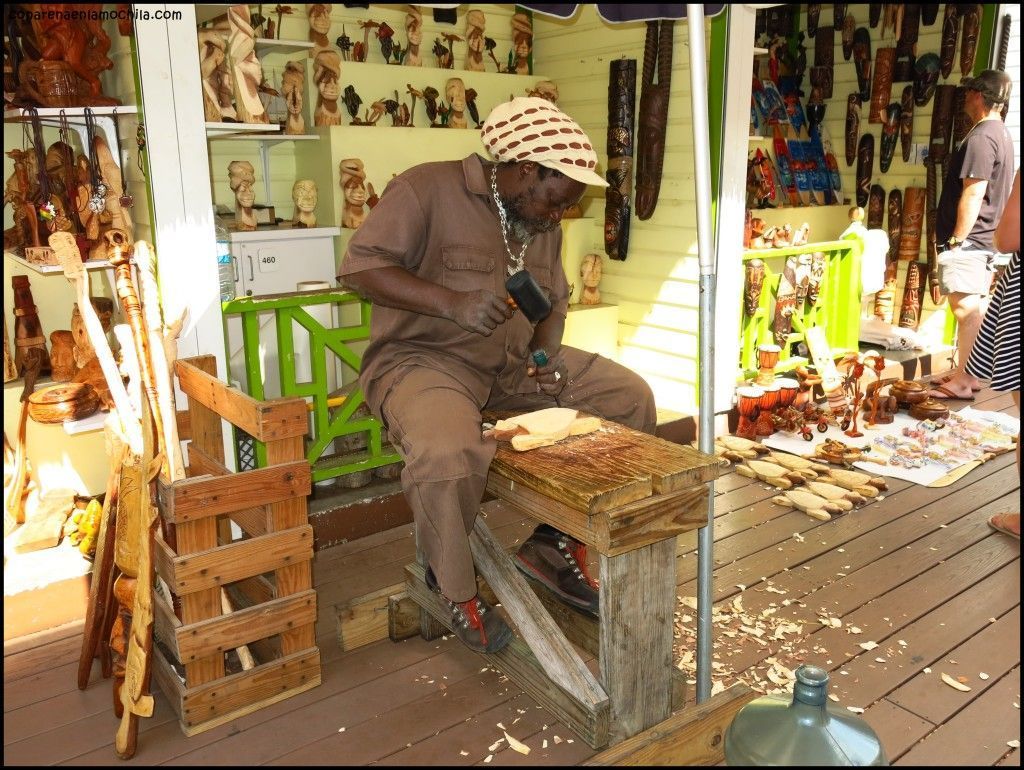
point(266, 571)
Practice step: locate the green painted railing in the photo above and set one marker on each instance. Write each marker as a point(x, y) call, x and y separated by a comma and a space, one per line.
point(332, 418)
point(837, 309)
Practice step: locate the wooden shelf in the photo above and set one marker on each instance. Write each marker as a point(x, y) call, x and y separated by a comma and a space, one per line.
point(266, 45)
point(807, 248)
point(242, 130)
point(92, 264)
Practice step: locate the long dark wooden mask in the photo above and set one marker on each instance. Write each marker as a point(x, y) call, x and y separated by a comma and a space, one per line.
point(653, 115)
point(618, 197)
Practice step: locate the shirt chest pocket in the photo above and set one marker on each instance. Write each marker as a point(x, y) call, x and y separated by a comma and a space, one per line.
point(467, 268)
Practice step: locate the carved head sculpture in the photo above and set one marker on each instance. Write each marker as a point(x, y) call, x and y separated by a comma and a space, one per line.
point(353, 186)
point(304, 195)
point(414, 25)
point(326, 72)
point(242, 179)
point(455, 92)
point(319, 15)
point(591, 270)
point(545, 89)
point(293, 80)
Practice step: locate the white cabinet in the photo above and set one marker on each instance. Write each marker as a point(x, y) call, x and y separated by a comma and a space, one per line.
point(274, 262)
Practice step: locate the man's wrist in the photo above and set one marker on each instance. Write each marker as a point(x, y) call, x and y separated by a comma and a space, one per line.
point(953, 242)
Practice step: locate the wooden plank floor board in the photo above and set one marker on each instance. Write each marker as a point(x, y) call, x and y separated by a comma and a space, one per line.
point(981, 730)
point(994, 651)
point(920, 566)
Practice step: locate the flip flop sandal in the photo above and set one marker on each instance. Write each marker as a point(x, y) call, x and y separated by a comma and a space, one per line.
point(997, 523)
point(948, 395)
point(945, 380)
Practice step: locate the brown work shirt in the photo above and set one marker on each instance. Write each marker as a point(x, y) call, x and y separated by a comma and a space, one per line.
point(439, 222)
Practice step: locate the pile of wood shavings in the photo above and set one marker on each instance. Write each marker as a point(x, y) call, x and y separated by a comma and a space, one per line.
point(734, 630)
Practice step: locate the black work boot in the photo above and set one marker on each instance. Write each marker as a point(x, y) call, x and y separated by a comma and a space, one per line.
point(559, 563)
point(475, 622)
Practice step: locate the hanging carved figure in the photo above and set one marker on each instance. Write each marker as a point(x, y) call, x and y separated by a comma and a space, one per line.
point(654, 99)
point(618, 197)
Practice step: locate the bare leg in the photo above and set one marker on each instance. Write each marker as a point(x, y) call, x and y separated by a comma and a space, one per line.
point(968, 309)
point(1010, 522)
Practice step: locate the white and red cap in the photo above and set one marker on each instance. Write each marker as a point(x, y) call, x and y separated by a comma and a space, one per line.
point(534, 129)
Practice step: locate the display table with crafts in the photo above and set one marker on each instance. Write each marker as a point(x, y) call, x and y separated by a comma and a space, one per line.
point(627, 495)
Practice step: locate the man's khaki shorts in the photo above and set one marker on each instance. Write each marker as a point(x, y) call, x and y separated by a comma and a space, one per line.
point(966, 271)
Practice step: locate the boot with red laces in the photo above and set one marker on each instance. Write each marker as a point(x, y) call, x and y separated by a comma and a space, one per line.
point(475, 622)
point(559, 563)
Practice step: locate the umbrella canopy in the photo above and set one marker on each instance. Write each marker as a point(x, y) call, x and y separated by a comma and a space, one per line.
point(623, 12)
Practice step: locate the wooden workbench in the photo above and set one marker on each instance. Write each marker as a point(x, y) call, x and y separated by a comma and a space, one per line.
point(627, 495)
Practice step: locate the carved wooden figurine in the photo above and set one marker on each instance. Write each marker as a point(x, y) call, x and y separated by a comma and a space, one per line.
point(326, 72)
point(522, 43)
point(293, 81)
point(455, 91)
point(414, 33)
point(216, 78)
point(319, 15)
point(304, 196)
point(246, 69)
point(476, 23)
point(62, 355)
point(591, 270)
point(242, 179)
point(353, 186)
point(28, 332)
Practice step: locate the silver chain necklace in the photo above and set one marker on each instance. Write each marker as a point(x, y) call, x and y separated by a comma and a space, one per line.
point(516, 264)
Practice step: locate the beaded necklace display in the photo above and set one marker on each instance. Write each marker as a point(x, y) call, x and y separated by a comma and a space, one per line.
point(98, 197)
point(516, 264)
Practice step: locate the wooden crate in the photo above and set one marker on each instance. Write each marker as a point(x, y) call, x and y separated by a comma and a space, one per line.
point(265, 573)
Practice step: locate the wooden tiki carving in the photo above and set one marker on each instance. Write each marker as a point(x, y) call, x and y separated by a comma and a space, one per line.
point(971, 15)
point(654, 102)
point(942, 122)
point(852, 127)
point(752, 286)
point(881, 86)
point(865, 166)
point(911, 222)
point(785, 303)
point(950, 31)
point(910, 309)
point(890, 135)
point(618, 197)
point(907, 122)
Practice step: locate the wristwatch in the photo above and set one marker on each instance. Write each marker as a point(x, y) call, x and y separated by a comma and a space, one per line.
point(953, 242)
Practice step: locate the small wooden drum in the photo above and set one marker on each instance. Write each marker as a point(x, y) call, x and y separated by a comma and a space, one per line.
point(788, 389)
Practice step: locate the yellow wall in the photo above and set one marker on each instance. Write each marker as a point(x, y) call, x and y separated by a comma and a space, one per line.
point(656, 286)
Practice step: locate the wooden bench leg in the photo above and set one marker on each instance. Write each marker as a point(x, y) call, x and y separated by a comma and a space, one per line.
point(430, 629)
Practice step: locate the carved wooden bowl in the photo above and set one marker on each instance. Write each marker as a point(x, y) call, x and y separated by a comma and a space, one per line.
point(929, 409)
point(58, 403)
point(908, 392)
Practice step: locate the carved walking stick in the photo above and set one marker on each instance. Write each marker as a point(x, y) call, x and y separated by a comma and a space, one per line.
point(910, 310)
point(654, 101)
point(618, 198)
point(865, 164)
point(931, 247)
point(852, 127)
point(907, 122)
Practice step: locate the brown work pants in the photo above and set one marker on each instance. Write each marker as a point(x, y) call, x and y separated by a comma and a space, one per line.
point(434, 421)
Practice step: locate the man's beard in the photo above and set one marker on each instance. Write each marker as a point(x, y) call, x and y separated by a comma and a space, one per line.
point(521, 228)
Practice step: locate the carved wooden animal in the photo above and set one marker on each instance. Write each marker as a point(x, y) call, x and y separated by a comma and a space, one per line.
point(543, 427)
point(858, 482)
point(835, 494)
point(738, 448)
point(801, 465)
point(814, 506)
point(771, 473)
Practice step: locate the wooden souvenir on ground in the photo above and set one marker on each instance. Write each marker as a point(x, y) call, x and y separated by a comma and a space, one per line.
point(653, 118)
point(911, 222)
point(882, 84)
point(737, 449)
point(618, 197)
point(476, 23)
point(354, 191)
point(304, 198)
point(246, 70)
point(814, 506)
point(971, 15)
point(879, 409)
point(326, 74)
point(293, 82)
point(808, 469)
point(908, 392)
point(242, 180)
point(770, 473)
point(950, 31)
point(853, 103)
point(414, 37)
point(890, 135)
point(907, 122)
point(865, 163)
point(29, 340)
point(929, 409)
point(910, 309)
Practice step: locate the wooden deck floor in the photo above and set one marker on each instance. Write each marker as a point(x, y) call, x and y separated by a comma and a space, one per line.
point(919, 573)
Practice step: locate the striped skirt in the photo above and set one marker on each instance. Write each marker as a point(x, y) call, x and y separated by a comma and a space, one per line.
point(996, 352)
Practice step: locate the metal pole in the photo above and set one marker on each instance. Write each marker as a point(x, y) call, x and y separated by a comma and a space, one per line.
point(706, 256)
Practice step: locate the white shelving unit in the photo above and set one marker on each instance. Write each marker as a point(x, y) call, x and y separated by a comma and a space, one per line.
point(92, 264)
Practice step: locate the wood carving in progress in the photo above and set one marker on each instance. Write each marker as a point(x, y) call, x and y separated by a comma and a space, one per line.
point(543, 427)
